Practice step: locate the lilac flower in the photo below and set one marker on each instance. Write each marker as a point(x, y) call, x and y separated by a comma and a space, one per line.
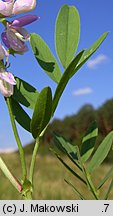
point(6, 8)
point(15, 36)
point(22, 6)
point(12, 7)
point(7, 82)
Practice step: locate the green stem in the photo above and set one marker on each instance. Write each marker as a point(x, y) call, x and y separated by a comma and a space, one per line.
point(87, 176)
point(27, 190)
point(21, 151)
point(33, 160)
point(91, 185)
point(28, 196)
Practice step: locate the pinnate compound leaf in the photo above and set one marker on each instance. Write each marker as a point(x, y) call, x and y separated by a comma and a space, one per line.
point(101, 152)
point(42, 112)
point(20, 115)
point(67, 33)
point(45, 57)
point(25, 94)
point(88, 142)
point(69, 72)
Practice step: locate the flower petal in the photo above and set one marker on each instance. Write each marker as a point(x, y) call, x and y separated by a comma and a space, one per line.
point(6, 7)
point(24, 20)
point(15, 43)
point(7, 81)
point(22, 6)
point(24, 35)
point(8, 77)
point(5, 39)
point(6, 89)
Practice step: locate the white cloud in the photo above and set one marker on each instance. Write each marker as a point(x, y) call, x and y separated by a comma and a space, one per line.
point(96, 61)
point(82, 91)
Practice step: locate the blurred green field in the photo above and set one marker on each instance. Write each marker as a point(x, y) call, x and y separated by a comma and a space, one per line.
point(49, 179)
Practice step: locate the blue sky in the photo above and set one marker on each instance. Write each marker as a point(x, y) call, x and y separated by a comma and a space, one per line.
point(92, 84)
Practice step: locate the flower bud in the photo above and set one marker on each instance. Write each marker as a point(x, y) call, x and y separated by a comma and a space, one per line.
point(7, 83)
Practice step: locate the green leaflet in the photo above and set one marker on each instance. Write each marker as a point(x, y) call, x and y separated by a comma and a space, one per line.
point(20, 115)
point(92, 49)
point(25, 94)
point(101, 152)
point(42, 112)
point(69, 72)
point(65, 146)
point(67, 33)
point(45, 58)
point(88, 142)
point(74, 66)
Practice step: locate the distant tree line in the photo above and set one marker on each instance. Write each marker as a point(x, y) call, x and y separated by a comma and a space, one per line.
point(74, 127)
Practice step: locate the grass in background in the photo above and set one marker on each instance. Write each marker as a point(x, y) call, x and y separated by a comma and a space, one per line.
point(49, 179)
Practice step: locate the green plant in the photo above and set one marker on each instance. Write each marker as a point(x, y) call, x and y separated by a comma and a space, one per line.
point(42, 103)
point(83, 159)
